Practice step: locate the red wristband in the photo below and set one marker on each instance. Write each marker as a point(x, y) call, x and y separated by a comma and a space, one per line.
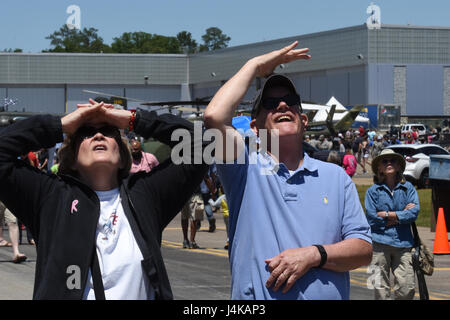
point(131, 123)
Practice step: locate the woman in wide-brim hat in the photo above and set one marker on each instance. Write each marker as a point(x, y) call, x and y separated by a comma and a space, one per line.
point(388, 154)
point(392, 204)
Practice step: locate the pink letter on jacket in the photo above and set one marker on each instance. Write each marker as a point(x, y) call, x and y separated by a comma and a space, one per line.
point(74, 206)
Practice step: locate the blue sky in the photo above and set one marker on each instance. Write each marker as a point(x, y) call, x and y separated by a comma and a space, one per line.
point(25, 24)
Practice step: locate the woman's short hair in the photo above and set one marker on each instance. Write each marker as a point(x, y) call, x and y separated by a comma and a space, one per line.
point(334, 157)
point(68, 155)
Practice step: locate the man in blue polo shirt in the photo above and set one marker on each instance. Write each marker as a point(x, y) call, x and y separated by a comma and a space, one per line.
point(296, 224)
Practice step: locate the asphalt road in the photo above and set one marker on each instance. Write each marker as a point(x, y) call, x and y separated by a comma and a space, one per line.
point(17, 280)
point(203, 274)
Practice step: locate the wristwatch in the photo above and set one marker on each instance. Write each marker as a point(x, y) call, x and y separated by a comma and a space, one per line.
point(386, 215)
point(323, 255)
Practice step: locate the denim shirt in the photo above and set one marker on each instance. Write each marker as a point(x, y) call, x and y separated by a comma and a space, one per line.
point(380, 198)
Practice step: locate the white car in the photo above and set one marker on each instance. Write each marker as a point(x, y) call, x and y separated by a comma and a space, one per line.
point(408, 128)
point(417, 158)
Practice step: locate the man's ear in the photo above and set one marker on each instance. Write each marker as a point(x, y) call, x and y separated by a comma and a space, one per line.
point(253, 126)
point(304, 120)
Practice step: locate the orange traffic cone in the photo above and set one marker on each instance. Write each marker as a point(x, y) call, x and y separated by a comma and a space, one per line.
point(441, 245)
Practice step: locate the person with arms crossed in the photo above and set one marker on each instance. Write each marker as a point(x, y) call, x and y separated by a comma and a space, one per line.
point(296, 224)
point(392, 205)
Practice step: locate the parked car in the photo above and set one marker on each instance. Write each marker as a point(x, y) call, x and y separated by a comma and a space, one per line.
point(408, 128)
point(417, 158)
point(321, 154)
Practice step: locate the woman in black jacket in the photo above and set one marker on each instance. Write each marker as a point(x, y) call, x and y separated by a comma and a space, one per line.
point(98, 230)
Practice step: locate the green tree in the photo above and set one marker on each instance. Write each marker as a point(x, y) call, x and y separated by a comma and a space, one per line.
point(143, 42)
point(74, 40)
point(214, 39)
point(187, 44)
point(88, 40)
point(11, 50)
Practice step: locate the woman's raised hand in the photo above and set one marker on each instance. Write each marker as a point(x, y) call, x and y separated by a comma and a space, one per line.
point(94, 113)
point(115, 117)
point(82, 115)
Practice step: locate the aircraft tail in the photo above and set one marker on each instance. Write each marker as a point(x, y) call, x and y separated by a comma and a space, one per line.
point(347, 121)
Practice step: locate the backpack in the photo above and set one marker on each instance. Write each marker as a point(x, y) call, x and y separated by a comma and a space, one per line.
point(355, 146)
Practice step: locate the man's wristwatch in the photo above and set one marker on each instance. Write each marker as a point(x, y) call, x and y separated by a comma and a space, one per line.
point(323, 255)
point(386, 215)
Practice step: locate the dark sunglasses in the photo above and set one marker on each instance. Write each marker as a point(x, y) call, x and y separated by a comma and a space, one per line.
point(290, 99)
point(87, 132)
point(389, 160)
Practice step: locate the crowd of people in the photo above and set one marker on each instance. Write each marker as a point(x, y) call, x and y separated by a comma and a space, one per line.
point(295, 225)
point(366, 144)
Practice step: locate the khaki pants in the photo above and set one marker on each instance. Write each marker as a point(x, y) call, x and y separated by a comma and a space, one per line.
point(193, 209)
point(398, 260)
point(6, 216)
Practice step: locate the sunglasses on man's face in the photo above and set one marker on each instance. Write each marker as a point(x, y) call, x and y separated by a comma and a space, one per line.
point(389, 160)
point(88, 132)
point(272, 103)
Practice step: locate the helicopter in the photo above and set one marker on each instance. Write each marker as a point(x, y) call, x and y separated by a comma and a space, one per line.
point(193, 110)
point(175, 105)
point(334, 122)
point(9, 117)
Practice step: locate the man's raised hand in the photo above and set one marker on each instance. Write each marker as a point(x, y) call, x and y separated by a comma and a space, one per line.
point(269, 61)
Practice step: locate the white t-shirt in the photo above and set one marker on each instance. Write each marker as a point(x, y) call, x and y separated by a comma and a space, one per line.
point(120, 261)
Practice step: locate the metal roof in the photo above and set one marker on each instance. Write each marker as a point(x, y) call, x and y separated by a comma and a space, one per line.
point(332, 49)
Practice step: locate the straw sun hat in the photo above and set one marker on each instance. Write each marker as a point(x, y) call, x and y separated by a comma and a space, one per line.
point(388, 153)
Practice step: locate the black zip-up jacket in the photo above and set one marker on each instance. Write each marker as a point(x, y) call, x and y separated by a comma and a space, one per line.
point(65, 238)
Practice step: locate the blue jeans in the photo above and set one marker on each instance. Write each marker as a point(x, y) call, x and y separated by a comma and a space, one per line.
point(208, 209)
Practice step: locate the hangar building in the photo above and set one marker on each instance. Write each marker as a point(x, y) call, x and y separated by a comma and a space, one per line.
point(406, 66)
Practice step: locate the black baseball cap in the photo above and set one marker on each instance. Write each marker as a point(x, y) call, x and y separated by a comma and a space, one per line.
point(275, 80)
